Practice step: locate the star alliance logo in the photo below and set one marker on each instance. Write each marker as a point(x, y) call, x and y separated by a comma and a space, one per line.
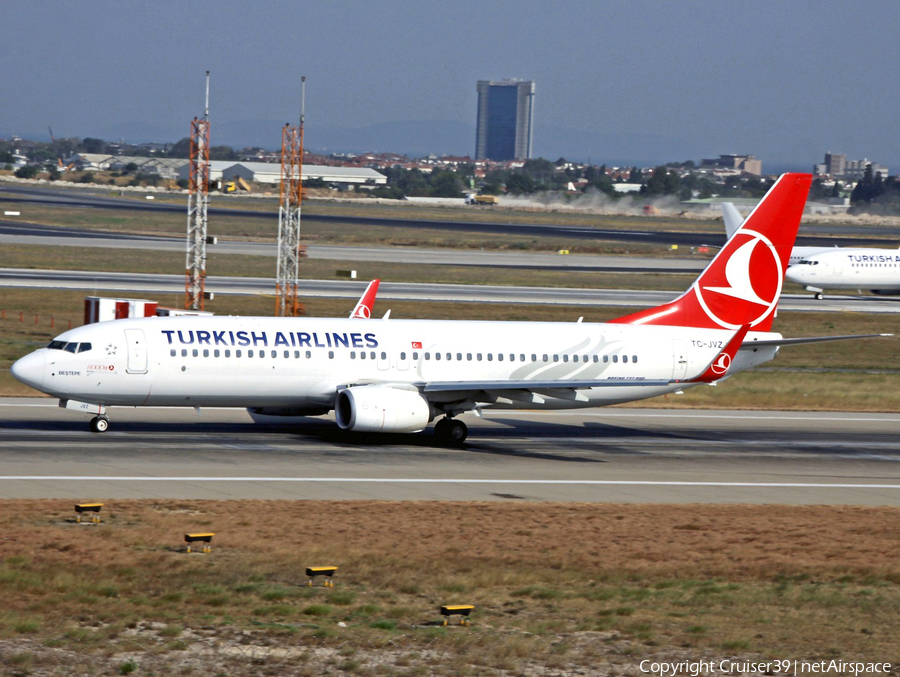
point(110, 349)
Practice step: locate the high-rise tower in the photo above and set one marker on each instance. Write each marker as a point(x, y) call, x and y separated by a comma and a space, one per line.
point(505, 120)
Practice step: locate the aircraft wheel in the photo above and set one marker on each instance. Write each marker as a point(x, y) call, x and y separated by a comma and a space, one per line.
point(819, 296)
point(99, 424)
point(457, 431)
point(440, 428)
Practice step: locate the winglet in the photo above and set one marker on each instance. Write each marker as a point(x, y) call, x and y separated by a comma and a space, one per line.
point(718, 368)
point(363, 309)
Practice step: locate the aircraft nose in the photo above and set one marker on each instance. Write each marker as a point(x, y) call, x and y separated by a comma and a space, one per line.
point(794, 274)
point(30, 369)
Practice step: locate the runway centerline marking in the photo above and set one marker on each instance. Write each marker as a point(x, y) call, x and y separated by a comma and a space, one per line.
point(375, 480)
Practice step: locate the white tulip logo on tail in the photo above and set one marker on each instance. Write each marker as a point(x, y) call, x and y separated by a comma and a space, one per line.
point(753, 275)
point(720, 366)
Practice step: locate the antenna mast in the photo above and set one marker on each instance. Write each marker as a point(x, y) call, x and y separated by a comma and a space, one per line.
point(290, 251)
point(198, 203)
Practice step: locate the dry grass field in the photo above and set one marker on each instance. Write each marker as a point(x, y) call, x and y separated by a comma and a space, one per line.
point(558, 589)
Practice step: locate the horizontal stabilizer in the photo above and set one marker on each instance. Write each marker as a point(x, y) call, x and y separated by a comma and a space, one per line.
point(750, 345)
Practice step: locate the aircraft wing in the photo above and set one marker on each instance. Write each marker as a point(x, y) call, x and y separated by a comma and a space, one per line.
point(749, 345)
point(497, 386)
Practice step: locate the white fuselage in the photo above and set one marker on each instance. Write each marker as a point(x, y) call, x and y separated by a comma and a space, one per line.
point(844, 268)
point(301, 363)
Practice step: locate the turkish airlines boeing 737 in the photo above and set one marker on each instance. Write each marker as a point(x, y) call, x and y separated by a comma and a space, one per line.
point(399, 375)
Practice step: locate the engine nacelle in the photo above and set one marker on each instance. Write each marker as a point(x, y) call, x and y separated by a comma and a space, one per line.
point(381, 408)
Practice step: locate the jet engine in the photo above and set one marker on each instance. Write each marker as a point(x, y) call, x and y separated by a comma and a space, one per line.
point(381, 408)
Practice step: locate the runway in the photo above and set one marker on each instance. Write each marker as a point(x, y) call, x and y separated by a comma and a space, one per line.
point(148, 283)
point(55, 236)
point(814, 236)
point(604, 455)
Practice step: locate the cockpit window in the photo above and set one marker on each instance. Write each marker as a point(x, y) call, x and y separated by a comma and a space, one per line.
point(84, 347)
point(71, 348)
point(56, 345)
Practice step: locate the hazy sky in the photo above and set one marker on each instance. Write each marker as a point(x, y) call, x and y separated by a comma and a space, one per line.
point(783, 80)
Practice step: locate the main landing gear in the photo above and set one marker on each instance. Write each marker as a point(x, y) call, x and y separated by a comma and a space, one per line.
point(450, 430)
point(99, 424)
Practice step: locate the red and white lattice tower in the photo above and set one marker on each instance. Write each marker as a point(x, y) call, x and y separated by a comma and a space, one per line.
point(287, 301)
point(198, 202)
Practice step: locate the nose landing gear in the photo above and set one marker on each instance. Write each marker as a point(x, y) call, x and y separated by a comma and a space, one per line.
point(451, 431)
point(99, 424)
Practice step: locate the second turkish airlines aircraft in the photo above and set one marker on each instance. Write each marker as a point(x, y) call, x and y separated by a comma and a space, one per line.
point(733, 221)
point(399, 375)
point(877, 270)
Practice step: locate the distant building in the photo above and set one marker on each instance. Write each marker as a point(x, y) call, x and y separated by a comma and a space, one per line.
point(505, 128)
point(735, 163)
point(839, 167)
point(270, 172)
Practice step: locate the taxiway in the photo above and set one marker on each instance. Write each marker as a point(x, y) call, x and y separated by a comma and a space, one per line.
point(609, 455)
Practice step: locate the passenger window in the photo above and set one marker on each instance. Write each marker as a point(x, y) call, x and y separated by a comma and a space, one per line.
point(546, 358)
point(237, 353)
point(372, 355)
point(249, 353)
point(521, 358)
point(427, 356)
point(308, 354)
point(330, 354)
point(490, 357)
point(84, 347)
point(352, 354)
point(227, 352)
point(596, 358)
point(586, 358)
point(274, 354)
point(296, 354)
point(172, 353)
point(287, 353)
point(415, 356)
point(625, 358)
point(499, 357)
point(449, 356)
point(383, 356)
point(615, 358)
point(469, 357)
point(216, 352)
point(437, 356)
point(194, 352)
point(533, 357)
point(634, 358)
point(556, 358)
point(605, 359)
point(262, 353)
point(478, 357)
point(565, 358)
point(206, 352)
point(459, 356)
point(71, 348)
point(362, 355)
point(402, 355)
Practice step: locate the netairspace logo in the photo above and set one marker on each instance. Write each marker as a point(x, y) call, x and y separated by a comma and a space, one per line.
point(786, 667)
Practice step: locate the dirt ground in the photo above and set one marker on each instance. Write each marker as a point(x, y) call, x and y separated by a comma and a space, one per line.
point(558, 589)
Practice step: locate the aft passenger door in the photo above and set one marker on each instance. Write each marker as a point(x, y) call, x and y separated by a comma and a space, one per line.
point(679, 358)
point(137, 351)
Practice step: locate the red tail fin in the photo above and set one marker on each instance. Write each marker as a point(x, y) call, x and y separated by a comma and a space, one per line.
point(742, 283)
point(363, 310)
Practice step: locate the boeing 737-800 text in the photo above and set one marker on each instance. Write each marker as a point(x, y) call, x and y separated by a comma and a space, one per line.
point(399, 375)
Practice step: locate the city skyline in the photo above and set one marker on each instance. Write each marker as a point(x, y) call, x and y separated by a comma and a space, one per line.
point(640, 83)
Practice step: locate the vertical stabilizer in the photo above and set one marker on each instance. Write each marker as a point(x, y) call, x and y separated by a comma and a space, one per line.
point(741, 285)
